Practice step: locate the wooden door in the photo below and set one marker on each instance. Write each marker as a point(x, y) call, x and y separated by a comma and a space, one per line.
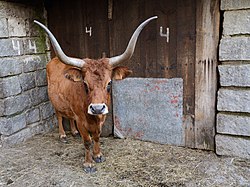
point(81, 27)
point(89, 28)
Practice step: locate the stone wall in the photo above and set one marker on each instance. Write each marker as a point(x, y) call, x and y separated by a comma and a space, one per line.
point(24, 52)
point(233, 118)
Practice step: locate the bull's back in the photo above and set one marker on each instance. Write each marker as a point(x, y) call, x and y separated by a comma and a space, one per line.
point(61, 91)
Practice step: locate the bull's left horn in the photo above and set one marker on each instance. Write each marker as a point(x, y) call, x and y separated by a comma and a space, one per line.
point(58, 50)
point(131, 45)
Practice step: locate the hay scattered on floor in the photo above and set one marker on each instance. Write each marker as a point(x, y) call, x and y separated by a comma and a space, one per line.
point(44, 161)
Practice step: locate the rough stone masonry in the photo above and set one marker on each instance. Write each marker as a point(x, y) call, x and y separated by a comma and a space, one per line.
point(24, 52)
point(233, 118)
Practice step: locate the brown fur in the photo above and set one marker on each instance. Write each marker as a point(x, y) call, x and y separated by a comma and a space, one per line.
point(67, 92)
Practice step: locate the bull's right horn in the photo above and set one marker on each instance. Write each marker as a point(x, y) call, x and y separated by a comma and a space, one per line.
point(58, 50)
point(131, 45)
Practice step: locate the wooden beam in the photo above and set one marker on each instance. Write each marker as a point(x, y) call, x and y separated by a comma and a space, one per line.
point(207, 40)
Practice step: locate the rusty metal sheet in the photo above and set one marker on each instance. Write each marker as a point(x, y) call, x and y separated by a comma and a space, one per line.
point(149, 109)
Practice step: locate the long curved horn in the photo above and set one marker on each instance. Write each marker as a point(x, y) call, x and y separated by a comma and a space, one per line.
point(58, 50)
point(131, 45)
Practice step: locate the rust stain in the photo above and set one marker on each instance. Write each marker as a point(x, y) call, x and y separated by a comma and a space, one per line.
point(174, 99)
point(117, 123)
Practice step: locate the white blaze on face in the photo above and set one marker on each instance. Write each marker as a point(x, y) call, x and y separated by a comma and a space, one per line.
point(97, 109)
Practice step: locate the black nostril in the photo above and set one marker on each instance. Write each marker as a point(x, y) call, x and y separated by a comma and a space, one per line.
point(92, 109)
point(103, 108)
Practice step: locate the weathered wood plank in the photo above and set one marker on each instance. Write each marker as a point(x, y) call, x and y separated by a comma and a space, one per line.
point(185, 63)
point(207, 38)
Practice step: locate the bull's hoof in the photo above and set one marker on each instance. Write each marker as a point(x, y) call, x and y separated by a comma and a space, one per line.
point(99, 159)
point(89, 169)
point(76, 135)
point(63, 139)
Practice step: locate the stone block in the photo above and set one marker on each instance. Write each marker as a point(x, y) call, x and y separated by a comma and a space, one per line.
point(41, 127)
point(17, 137)
point(11, 47)
point(14, 105)
point(233, 124)
point(240, 20)
point(235, 48)
point(235, 75)
point(34, 62)
point(9, 86)
point(41, 79)
point(234, 5)
point(11, 125)
point(16, 27)
point(233, 100)
point(32, 116)
point(38, 95)
point(149, 109)
point(47, 110)
point(34, 45)
point(3, 28)
point(32, 29)
point(232, 146)
point(18, 10)
point(51, 122)
point(27, 81)
point(10, 66)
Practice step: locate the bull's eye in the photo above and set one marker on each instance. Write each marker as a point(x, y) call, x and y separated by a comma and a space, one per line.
point(86, 87)
point(109, 86)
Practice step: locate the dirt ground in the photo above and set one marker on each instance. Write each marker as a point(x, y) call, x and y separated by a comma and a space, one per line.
point(44, 161)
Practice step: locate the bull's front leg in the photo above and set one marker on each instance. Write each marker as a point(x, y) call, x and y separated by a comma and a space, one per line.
point(88, 164)
point(97, 155)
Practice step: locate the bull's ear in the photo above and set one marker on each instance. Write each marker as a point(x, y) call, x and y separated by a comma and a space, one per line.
point(73, 74)
point(120, 72)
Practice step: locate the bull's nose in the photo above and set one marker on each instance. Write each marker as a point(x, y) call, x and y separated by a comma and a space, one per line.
point(96, 109)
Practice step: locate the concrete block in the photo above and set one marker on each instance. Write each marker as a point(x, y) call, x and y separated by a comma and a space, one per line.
point(9, 86)
point(149, 109)
point(17, 137)
point(233, 124)
point(11, 125)
point(10, 66)
point(235, 75)
point(16, 27)
point(14, 105)
point(232, 146)
point(47, 110)
point(236, 48)
point(34, 45)
point(11, 47)
point(27, 81)
point(41, 79)
point(234, 5)
point(233, 100)
point(34, 62)
point(32, 116)
point(236, 22)
point(3, 28)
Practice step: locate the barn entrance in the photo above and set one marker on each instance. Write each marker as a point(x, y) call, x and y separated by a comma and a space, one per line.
point(182, 43)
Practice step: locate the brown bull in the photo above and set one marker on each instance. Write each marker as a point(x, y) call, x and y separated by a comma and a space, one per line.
point(79, 90)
